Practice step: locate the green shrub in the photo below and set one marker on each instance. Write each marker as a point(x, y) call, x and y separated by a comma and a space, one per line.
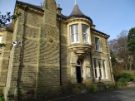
point(109, 87)
point(126, 76)
point(73, 89)
point(101, 86)
point(1, 98)
point(78, 88)
point(121, 84)
point(123, 79)
point(92, 88)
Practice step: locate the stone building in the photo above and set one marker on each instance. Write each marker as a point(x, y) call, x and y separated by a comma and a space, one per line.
point(47, 49)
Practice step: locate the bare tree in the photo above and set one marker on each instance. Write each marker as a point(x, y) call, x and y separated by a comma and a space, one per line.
point(120, 50)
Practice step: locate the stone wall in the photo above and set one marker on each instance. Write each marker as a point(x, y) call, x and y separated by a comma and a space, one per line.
point(49, 52)
point(64, 54)
point(4, 56)
point(49, 57)
point(24, 70)
point(104, 54)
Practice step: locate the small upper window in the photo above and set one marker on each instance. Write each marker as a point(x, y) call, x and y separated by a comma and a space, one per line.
point(74, 33)
point(97, 44)
point(85, 31)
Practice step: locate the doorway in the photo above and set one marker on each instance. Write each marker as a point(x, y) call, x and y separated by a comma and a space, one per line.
point(79, 72)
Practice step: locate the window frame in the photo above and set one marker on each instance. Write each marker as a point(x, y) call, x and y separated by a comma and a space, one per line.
point(99, 69)
point(104, 68)
point(87, 41)
point(74, 36)
point(1, 39)
point(97, 44)
point(95, 68)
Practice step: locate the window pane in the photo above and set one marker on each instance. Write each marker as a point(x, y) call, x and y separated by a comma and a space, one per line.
point(100, 71)
point(74, 33)
point(99, 64)
point(95, 63)
point(95, 68)
point(0, 39)
point(95, 73)
point(97, 43)
point(104, 68)
point(85, 31)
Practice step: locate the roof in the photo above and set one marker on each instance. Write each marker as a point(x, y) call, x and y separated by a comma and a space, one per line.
point(10, 27)
point(30, 5)
point(36, 7)
point(76, 12)
point(101, 33)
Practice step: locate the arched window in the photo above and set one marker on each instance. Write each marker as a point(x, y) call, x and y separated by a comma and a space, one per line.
point(74, 33)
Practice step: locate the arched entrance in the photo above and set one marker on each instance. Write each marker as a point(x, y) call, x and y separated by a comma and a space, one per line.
point(79, 71)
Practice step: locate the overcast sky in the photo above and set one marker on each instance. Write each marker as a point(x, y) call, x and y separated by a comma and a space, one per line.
point(109, 16)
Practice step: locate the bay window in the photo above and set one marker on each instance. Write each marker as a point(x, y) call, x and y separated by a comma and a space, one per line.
point(79, 33)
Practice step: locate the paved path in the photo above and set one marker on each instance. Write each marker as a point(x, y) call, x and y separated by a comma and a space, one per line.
point(118, 95)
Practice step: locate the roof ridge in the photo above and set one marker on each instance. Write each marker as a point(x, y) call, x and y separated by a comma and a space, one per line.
point(31, 5)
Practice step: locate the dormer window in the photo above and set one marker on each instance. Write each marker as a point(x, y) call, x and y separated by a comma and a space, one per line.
point(74, 33)
point(85, 31)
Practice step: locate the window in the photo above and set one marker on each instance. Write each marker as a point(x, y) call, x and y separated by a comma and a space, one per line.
point(85, 31)
point(97, 44)
point(0, 39)
point(74, 33)
point(104, 68)
point(95, 68)
point(99, 68)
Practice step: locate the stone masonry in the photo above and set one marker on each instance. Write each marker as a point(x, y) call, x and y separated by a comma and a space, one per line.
point(47, 50)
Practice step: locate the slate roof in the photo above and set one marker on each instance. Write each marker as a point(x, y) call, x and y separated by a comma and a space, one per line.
point(35, 7)
point(10, 27)
point(100, 33)
point(29, 5)
point(76, 12)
